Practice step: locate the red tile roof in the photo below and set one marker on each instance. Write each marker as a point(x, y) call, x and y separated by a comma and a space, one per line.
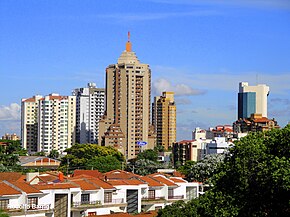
point(163, 180)
point(151, 182)
point(185, 141)
point(55, 186)
point(93, 173)
point(29, 189)
point(120, 174)
point(261, 120)
point(101, 183)
point(177, 180)
point(126, 182)
point(5, 189)
point(85, 184)
point(10, 176)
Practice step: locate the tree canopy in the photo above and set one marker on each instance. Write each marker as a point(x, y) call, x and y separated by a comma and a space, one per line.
point(9, 155)
point(253, 180)
point(83, 156)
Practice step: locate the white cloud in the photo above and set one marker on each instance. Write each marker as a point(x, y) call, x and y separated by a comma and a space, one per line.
point(228, 81)
point(127, 17)
point(11, 112)
point(182, 101)
point(163, 84)
point(281, 4)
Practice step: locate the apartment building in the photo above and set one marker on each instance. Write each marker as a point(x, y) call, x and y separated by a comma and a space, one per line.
point(48, 123)
point(126, 123)
point(56, 123)
point(29, 123)
point(90, 106)
point(164, 119)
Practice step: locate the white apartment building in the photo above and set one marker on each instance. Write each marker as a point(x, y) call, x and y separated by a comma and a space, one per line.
point(90, 106)
point(29, 123)
point(218, 145)
point(56, 123)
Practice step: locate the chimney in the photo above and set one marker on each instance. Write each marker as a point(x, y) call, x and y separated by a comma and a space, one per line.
point(60, 176)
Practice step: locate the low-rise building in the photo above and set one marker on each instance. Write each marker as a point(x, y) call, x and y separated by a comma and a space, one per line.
point(256, 123)
point(52, 194)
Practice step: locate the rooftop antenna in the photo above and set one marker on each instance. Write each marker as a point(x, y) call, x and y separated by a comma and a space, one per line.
point(128, 44)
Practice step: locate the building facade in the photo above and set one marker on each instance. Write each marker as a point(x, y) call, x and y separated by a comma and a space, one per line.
point(56, 123)
point(252, 100)
point(164, 119)
point(29, 123)
point(126, 122)
point(13, 137)
point(90, 106)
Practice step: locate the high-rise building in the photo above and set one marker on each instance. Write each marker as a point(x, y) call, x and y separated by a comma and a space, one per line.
point(29, 123)
point(252, 100)
point(90, 103)
point(56, 123)
point(164, 119)
point(126, 123)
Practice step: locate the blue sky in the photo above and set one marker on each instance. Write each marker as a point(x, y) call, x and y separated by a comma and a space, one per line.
point(199, 49)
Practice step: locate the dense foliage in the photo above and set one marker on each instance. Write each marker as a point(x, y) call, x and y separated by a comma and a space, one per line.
point(145, 163)
point(9, 155)
point(202, 171)
point(253, 180)
point(86, 156)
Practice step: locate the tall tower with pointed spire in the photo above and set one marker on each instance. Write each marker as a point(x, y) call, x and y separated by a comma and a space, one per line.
point(126, 123)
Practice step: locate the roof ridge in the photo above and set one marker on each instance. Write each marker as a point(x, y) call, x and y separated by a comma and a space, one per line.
point(13, 186)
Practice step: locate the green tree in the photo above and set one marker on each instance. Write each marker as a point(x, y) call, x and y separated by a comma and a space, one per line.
point(144, 167)
point(187, 167)
point(54, 154)
point(41, 153)
point(80, 155)
point(104, 164)
point(148, 154)
point(9, 155)
point(253, 180)
point(3, 214)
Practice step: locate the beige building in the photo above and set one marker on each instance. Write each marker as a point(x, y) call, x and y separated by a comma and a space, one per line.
point(126, 122)
point(186, 150)
point(56, 122)
point(29, 123)
point(164, 119)
point(8, 136)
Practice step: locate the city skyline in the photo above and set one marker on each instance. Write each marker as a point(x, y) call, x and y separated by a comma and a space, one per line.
point(199, 50)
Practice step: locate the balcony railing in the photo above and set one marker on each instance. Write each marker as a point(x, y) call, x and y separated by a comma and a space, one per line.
point(152, 198)
point(86, 203)
point(114, 201)
point(179, 197)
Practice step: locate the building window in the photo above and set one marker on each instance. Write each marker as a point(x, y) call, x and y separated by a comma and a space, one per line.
point(108, 197)
point(4, 204)
point(151, 194)
point(170, 193)
point(32, 201)
point(85, 198)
